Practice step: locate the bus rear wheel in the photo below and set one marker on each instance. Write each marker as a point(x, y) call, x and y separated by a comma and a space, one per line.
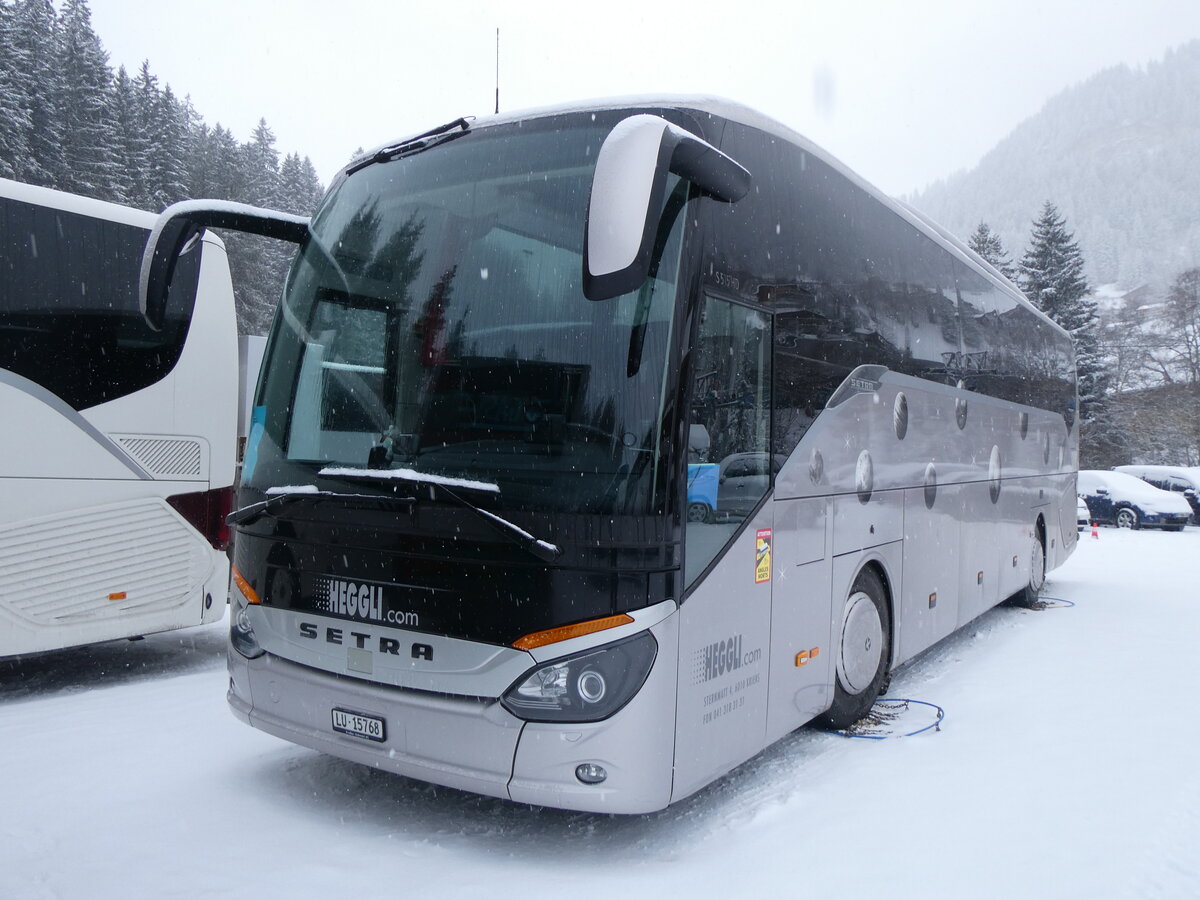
point(1028, 596)
point(861, 653)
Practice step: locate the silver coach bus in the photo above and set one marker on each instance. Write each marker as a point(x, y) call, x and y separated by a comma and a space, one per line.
point(597, 449)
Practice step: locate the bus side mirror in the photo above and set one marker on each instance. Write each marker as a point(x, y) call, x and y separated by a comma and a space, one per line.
point(628, 188)
point(181, 223)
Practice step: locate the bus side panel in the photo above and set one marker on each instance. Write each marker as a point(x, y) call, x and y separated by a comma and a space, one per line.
point(801, 682)
point(136, 567)
point(724, 641)
point(1062, 535)
point(198, 399)
point(928, 607)
point(977, 581)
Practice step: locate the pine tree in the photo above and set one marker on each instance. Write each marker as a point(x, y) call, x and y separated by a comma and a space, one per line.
point(987, 244)
point(262, 167)
point(14, 119)
point(141, 138)
point(1052, 278)
point(169, 151)
point(88, 138)
point(131, 153)
point(299, 187)
point(40, 85)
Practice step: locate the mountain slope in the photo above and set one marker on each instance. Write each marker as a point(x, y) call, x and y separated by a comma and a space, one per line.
point(1120, 156)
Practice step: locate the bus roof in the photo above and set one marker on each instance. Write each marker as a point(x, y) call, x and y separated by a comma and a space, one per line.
point(745, 115)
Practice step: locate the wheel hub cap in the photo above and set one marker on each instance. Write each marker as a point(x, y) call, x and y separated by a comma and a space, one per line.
point(862, 642)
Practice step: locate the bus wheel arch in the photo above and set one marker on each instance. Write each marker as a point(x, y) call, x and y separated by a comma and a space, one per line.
point(862, 647)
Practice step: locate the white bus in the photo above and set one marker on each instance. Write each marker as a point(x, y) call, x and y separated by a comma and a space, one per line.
point(118, 441)
point(597, 449)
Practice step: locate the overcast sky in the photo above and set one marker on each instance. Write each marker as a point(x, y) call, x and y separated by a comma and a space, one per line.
point(903, 91)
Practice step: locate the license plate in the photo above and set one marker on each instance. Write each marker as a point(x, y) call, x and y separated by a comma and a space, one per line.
point(357, 724)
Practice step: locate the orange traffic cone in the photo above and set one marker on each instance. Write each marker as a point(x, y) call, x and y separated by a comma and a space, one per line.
point(1095, 530)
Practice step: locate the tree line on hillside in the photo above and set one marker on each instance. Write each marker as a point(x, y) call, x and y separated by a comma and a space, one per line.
point(67, 121)
point(1139, 372)
point(1117, 153)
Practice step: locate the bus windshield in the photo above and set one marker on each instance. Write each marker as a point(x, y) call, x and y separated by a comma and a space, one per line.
point(435, 323)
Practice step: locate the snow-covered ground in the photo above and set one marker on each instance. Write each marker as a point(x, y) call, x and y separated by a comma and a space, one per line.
point(1066, 767)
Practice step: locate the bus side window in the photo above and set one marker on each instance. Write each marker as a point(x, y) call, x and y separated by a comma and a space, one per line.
point(731, 403)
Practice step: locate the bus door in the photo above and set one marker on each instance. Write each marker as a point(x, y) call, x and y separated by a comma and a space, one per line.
point(729, 546)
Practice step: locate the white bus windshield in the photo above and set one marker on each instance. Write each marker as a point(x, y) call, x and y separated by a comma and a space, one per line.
point(436, 322)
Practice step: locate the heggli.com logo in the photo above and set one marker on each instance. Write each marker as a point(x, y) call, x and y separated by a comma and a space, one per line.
point(722, 657)
point(352, 599)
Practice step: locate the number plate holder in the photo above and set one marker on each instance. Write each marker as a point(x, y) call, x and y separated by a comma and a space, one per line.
point(371, 728)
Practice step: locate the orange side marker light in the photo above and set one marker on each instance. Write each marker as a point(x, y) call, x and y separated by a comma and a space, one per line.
point(243, 585)
point(566, 632)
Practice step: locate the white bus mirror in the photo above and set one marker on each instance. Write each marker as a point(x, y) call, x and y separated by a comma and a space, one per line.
point(180, 223)
point(627, 194)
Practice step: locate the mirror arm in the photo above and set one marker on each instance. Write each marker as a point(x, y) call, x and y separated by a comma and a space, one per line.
point(182, 222)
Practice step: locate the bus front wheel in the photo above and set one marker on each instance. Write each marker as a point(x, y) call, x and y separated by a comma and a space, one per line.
point(861, 652)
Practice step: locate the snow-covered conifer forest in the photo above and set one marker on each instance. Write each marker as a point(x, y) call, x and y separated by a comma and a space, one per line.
point(68, 121)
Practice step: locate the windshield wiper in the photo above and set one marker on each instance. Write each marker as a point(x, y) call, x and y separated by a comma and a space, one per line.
point(414, 144)
point(543, 550)
point(255, 511)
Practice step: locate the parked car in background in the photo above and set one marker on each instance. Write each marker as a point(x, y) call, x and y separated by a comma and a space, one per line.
point(1083, 515)
point(731, 488)
point(1116, 498)
point(1183, 480)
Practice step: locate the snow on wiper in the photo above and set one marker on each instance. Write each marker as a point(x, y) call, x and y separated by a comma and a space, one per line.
point(288, 494)
point(539, 548)
point(410, 475)
point(543, 550)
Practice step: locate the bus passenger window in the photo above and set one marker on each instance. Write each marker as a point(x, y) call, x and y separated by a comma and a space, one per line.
point(730, 466)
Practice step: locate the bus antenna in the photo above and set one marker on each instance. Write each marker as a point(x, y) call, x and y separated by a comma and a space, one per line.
point(497, 71)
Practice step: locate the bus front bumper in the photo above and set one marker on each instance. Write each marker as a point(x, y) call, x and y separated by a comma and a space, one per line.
point(468, 743)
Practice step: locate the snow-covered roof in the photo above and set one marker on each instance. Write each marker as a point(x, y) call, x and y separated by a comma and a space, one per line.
point(1187, 473)
point(1122, 486)
point(84, 206)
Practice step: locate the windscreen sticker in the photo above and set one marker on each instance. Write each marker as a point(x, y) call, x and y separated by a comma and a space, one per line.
point(762, 555)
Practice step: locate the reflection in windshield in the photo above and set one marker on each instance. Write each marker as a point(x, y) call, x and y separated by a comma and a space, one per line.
point(436, 321)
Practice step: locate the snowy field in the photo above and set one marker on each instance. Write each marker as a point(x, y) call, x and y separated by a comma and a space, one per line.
point(1066, 767)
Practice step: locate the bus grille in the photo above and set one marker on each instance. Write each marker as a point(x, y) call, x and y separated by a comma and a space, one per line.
point(165, 457)
point(102, 562)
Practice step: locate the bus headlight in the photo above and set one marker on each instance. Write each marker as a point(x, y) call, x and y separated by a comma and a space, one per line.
point(587, 687)
point(241, 631)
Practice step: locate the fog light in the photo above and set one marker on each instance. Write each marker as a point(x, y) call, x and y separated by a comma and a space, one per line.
point(590, 773)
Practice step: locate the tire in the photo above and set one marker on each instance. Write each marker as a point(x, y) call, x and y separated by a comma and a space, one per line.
point(699, 512)
point(1028, 595)
point(1127, 517)
point(1172, 528)
point(861, 653)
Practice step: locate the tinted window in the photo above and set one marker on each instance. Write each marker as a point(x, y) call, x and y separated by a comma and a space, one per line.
point(436, 317)
point(851, 283)
point(69, 315)
point(730, 408)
